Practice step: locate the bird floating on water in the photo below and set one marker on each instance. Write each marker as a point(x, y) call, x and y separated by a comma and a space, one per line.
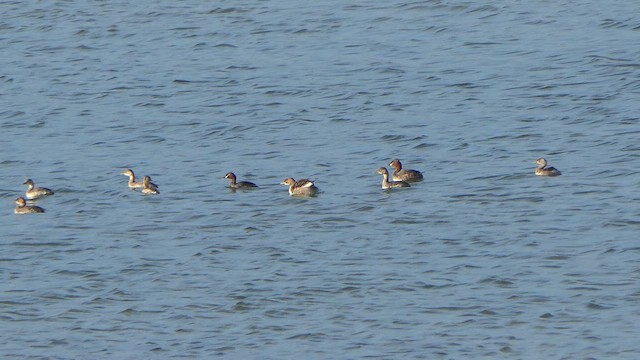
point(239, 184)
point(386, 184)
point(302, 187)
point(401, 174)
point(23, 208)
point(148, 187)
point(543, 170)
point(34, 192)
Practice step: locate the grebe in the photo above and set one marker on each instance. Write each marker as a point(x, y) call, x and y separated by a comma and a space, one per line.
point(23, 208)
point(404, 175)
point(542, 170)
point(302, 187)
point(36, 192)
point(148, 187)
point(240, 184)
point(393, 184)
point(133, 184)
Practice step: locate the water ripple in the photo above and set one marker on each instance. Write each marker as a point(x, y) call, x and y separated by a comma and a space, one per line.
point(482, 258)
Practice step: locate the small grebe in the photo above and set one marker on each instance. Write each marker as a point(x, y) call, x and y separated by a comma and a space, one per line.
point(148, 187)
point(36, 192)
point(542, 170)
point(240, 184)
point(302, 187)
point(404, 175)
point(393, 184)
point(133, 184)
point(23, 208)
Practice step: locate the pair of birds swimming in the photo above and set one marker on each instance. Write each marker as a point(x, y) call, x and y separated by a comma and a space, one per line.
point(147, 186)
point(32, 193)
point(400, 177)
point(302, 187)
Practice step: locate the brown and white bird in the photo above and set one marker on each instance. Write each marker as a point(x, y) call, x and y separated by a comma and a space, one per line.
point(302, 187)
point(400, 174)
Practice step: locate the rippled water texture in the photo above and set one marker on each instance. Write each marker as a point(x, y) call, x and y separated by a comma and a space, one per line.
point(481, 260)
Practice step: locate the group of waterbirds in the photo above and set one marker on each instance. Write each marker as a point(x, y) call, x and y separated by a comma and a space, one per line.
point(400, 178)
point(305, 187)
point(34, 192)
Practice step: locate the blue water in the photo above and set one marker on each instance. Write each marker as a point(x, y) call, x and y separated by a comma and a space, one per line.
point(483, 259)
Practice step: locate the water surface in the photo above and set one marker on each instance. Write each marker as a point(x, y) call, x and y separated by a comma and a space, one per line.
point(481, 260)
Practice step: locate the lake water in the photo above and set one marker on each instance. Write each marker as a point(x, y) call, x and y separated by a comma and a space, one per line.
point(482, 260)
